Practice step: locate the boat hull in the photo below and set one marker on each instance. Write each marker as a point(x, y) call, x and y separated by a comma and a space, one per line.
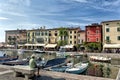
point(77, 69)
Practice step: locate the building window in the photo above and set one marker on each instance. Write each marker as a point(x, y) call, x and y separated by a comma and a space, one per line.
point(46, 33)
point(46, 39)
point(75, 37)
point(87, 32)
point(70, 42)
point(74, 42)
point(107, 24)
point(70, 37)
point(55, 34)
point(32, 40)
point(78, 35)
point(78, 41)
point(107, 30)
point(70, 32)
point(118, 29)
point(42, 34)
point(49, 34)
point(97, 31)
point(107, 38)
point(96, 39)
point(87, 39)
point(28, 35)
point(74, 31)
point(118, 37)
point(82, 41)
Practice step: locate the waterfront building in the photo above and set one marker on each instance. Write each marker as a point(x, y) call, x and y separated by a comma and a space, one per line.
point(15, 38)
point(93, 33)
point(93, 37)
point(30, 39)
point(53, 37)
point(46, 38)
point(37, 38)
point(111, 35)
point(81, 36)
point(73, 35)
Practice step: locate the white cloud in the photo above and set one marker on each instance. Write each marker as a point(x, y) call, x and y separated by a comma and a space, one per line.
point(75, 23)
point(111, 3)
point(81, 1)
point(83, 18)
point(21, 2)
point(3, 18)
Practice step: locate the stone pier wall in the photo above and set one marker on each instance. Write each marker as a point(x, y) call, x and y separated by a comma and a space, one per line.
point(66, 76)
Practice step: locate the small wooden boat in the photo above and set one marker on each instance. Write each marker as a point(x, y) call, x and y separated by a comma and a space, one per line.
point(100, 59)
point(78, 68)
point(17, 62)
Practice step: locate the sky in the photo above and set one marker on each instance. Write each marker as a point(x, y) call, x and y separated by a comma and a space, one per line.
point(29, 14)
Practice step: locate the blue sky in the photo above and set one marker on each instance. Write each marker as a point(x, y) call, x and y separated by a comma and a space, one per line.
point(28, 14)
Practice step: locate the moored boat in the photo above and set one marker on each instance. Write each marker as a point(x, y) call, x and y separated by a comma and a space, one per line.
point(8, 58)
point(59, 69)
point(78, 68)
point(100, 59)
point(16, 62)
point(55, 62)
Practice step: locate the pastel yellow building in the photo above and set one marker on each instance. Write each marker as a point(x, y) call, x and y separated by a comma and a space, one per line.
point(37, 38)
point(111, 34)
point(73, 36)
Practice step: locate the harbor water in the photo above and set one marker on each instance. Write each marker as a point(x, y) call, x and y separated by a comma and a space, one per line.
point(47, 56)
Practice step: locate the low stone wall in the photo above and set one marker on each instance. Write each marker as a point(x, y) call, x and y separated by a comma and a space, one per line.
point(67, 76)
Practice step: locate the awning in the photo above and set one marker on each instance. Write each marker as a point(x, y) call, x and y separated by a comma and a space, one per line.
point(10, 46)
point(20, 45)
point(38, 44)
point(111, 46)
point(34, 44)
point(50, 45)
point(68, 46)
point(28, 44)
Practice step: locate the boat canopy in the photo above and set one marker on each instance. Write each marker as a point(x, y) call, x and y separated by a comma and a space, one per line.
point(111, 46)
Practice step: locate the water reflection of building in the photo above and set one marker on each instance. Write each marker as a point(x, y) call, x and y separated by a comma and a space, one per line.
point(111, 35)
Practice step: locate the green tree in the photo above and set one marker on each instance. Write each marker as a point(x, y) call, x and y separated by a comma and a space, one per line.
point(63, 34)
point(93, 46)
